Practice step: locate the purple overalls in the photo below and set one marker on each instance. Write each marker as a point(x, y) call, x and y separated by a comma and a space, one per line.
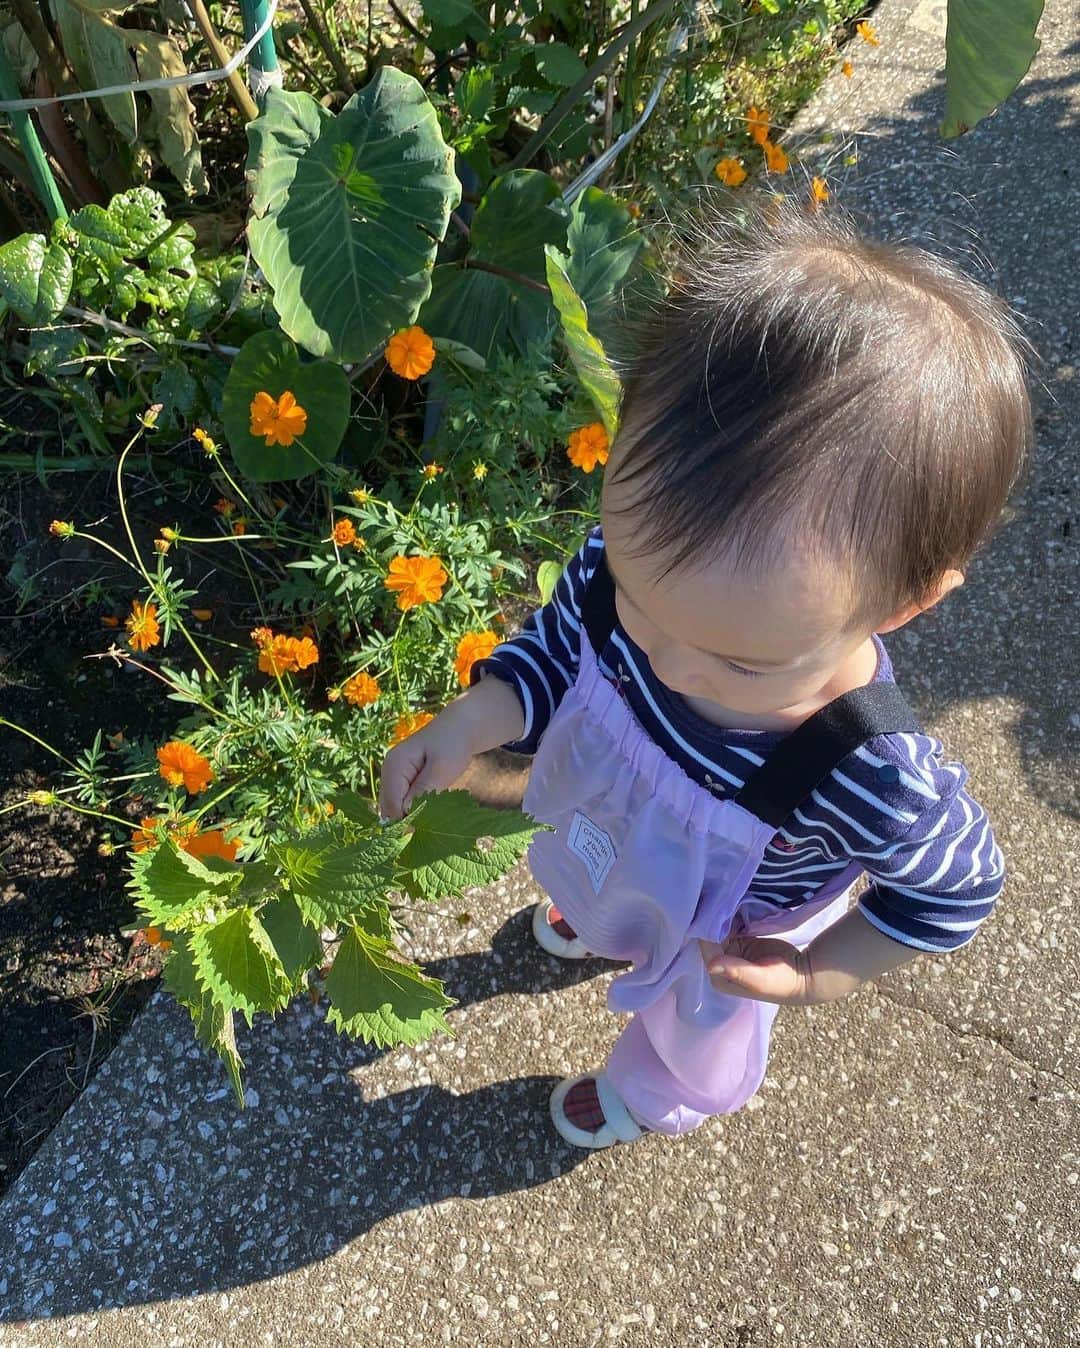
point(643, 863)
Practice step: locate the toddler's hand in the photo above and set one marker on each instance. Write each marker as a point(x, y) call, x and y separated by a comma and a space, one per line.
point(431, 759)
point(760, 967)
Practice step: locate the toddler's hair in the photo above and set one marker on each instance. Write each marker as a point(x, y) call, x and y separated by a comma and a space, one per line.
point(866, 400)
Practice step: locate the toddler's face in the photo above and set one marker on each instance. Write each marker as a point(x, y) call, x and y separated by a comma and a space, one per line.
point(753, 644)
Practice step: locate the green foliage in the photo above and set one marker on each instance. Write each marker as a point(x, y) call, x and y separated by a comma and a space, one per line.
point(270, 363)
point(989, 45)
point(586, 351)
point(245, 934)
point(347, 211)
point(35, 278)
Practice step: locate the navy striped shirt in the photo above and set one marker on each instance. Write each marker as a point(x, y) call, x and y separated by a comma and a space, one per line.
point(896, 805)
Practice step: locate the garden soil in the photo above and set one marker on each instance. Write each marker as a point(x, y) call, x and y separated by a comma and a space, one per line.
point(908, 1174)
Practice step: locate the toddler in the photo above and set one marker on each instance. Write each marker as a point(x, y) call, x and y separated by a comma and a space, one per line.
point(817, 433)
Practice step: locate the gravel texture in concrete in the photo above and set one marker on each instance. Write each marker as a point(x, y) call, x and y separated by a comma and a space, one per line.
point(909, 1174)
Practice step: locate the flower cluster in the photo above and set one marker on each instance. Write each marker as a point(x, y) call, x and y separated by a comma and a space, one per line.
point(187, 837)
point(279, 654)
point(344, 535)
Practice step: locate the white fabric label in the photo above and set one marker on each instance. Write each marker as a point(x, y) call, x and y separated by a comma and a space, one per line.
point(593, 846)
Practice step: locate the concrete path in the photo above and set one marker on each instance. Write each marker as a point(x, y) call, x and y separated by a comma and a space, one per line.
point(909, 1175)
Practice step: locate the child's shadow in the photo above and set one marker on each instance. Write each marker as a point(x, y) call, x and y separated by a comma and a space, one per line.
point(184, 1193)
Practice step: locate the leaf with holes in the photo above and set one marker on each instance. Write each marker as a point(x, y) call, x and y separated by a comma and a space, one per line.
point(375, 996)
point(347, 211)
point(457, 843)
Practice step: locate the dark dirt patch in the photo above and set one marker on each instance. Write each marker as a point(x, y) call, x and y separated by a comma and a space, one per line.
point(70, 980)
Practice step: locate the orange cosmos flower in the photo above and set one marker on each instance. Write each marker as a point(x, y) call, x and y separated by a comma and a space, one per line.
point(588, 446)
point(418, 580)
point(473, 646)
point(776, 161)
point(283, 655)
point(847, 69)
point(142, 626)
point(152, 936)
point(730, 172)
point(181, 765)
point(867, 33)
point(145, 835)
point(344, 533)
point(61, 529)
point(431, 471)
point(409, 725)
point(202, 615)
point(819, 192)
point(757, 124)
point(410, 352)
point(211, 844)
point(360, 690)
point(279, 420)
point(224, 507)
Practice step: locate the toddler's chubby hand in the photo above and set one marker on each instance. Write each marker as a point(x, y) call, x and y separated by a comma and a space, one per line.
point(431, 759)
point(760, 967)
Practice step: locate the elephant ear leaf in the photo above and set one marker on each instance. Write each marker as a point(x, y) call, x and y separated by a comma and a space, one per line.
point(989, 45)
point(348, 211)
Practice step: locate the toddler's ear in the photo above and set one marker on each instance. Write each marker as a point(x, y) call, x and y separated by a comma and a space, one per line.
point(951, 580)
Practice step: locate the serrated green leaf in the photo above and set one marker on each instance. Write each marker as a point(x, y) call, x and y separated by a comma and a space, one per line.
point(380, 999)
point(236, 962)
point(298, 946)
point(355, 807)
point(590, 360)
point(989, 45)
point(35, 278)
point(457, 843)
point(333, 880)
point(214, 1026)
point(172, 885)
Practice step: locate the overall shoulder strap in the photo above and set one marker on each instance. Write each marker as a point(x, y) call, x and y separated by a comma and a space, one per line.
point(598, 606)
point(803, 759)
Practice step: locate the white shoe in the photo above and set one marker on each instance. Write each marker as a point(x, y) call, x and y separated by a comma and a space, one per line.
point(549, 938)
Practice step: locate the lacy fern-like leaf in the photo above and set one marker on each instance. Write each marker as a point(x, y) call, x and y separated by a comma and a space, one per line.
point(236, 961)
point(458, 843)
point(373, 995)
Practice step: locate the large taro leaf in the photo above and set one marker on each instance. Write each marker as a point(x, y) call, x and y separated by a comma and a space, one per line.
point(989, 45)
point(520, 213)
point(586, 351)
point(270, 363)
point(347, 211)
point(603, 244)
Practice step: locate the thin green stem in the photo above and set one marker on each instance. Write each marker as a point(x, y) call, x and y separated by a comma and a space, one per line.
point(31, 736)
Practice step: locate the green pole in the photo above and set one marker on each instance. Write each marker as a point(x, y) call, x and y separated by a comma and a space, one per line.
point(28, 138)
point(263, 54)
